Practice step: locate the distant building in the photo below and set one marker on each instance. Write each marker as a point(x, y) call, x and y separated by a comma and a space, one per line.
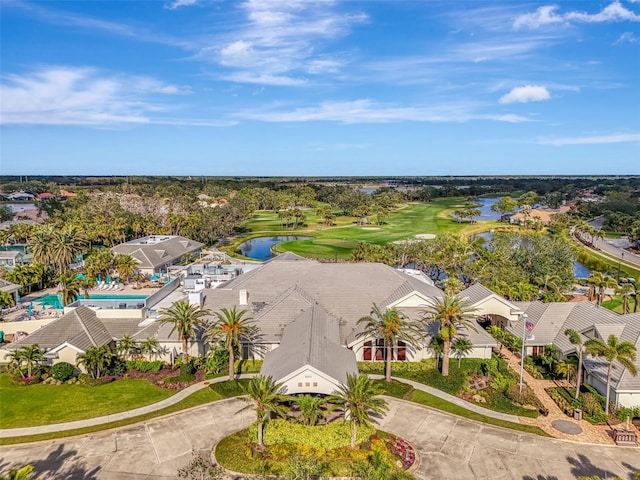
point(21, 196)
point(45, 196)
point(11, 258)
point(155, 253)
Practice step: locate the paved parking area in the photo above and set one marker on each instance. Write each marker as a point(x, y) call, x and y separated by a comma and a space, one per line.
point(450, 448)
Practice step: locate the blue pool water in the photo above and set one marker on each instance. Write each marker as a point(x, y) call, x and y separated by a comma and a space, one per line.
point(55, 301)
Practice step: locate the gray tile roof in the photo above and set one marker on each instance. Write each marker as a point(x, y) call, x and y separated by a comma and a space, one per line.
point(158, 254)
point(476, 293)
point(346, 290)
point(311, 339)
point(80, 328)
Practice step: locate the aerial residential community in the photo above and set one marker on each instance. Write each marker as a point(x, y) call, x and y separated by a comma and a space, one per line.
point(319, 239)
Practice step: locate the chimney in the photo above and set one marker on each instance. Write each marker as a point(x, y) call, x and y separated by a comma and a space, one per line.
point(244, 297)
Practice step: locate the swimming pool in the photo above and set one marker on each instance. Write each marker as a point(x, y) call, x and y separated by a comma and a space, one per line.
point(55, 300)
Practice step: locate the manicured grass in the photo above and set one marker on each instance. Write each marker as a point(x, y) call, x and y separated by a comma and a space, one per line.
point(30, 405)
point(615, 304)
point(201, 397)
point(340, 239)
point(228, 389)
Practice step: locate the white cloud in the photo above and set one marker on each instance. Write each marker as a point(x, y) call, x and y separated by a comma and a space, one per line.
point(594, 140)
point(281, 42)
point(627, 37)
point(80, 96)
point(528, 93)
point(180, 3)
point(369, 111)
point(547, 15)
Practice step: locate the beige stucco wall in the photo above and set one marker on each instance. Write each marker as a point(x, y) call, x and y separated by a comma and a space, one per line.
point(308, 380)
point(493, 306)
point(28, 326)
point(629, 399)
point(67, 354)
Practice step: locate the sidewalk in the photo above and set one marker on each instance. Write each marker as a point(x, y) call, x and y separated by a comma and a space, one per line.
point(590, 433)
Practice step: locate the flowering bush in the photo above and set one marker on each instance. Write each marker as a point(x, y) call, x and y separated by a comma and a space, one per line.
point(28, 380)
point(402, 450)
point(107, 379)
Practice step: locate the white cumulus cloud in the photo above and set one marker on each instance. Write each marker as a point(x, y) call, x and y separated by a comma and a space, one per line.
point(528, 93)
point(548, 15)
point(180, 3)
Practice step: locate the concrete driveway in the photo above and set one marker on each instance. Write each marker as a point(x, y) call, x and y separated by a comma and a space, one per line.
point(450, 448)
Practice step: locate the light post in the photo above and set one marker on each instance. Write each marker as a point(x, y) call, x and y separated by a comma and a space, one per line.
point(524, 339)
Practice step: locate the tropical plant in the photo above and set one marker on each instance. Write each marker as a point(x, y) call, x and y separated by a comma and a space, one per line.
point(149, 347)
point(29, 356)
point(126, 266)
point(613, 350)
point(127, 347)
point(392, 326)
point(311, 410)
point(69, 286)
point(265, 398)
point(461, 347)
point(230, 328)
point(452, 313)
point(359, 399)
point(95, 360)
point(66, 243)
point(22, 473)
point(626, 291)
point(576, 339)
point(6, 300)
point(566, 369)
point(184, 318)
point(436, 346)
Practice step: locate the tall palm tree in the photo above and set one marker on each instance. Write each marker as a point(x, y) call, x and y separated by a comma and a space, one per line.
point(264, 398)
point(626, 291)
point(185, 318)
point(392, 326)
point(66, 243)
point(29, 356)
point(70, 287)
point(436, 346)
point(126, 266)
point(566, 368)
point(95, 360)
point(576, 339)
point(230, 327)
point(451, 312)
point(624, 352)
point(359, 398)
point(461, 347)
point(40, 245)
point(126, 346)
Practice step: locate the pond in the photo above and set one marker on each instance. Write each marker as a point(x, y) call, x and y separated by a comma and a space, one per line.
point(20, 207)
point(579, 270)
point(260, 248)
point(485, 204)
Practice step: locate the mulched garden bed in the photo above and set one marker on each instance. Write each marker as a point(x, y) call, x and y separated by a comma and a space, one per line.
point(166, 372)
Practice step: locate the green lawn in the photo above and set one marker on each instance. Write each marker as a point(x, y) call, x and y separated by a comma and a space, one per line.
point(340, 239)
point(616, 304)
point(29, 405)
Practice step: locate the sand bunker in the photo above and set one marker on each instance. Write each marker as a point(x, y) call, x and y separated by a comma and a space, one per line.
point(426, 236)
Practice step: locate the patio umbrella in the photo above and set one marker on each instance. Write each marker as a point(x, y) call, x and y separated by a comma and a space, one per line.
point(30, 309)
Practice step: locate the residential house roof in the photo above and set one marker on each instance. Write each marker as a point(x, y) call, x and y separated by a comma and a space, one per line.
point(313, 339)
point(156, 250)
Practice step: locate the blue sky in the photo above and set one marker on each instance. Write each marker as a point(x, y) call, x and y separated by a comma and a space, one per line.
point(320, 87)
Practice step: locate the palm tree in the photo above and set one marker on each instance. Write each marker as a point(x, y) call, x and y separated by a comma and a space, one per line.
point(565, 368)
point(230, 328)
point(392, 326)
point(29, 355)
point(70, 287)
point(40, 246)
point(66, 243)
point(95, 360)
point(149, 347)
point(451, 312)
point(436, 346)
point(625, 291)
point(310, 409)
point(127, 346)
point(185, 318)
point(624, 352)
point(359, 398)
point(461, 347)
point(576, 339)
point(264, 397)
point(126, 266)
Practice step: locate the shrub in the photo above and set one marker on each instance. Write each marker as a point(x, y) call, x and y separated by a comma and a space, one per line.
point(145, 366)
point(528, 396)
point(329, 436)
point(117, 367)
point(63, 371)
point(216, 361)
point(186, 370)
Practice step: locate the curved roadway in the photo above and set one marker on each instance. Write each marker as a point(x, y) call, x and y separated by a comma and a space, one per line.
point(450, 448)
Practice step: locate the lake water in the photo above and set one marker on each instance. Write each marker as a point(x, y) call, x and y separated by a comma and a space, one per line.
point(579, 270)
point(260, 248)
point(485, 208)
